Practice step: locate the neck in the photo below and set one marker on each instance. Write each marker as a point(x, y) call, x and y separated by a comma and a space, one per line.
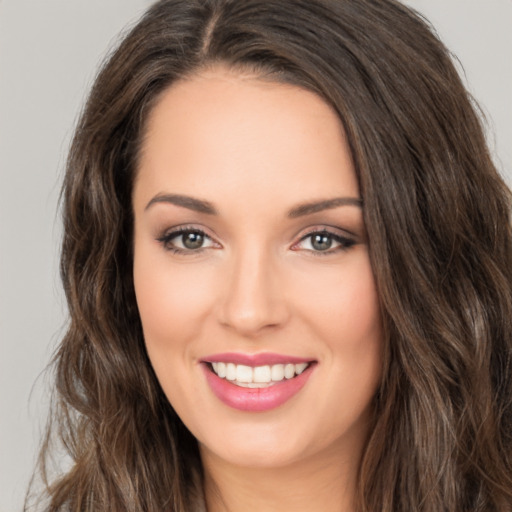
point(324, 482)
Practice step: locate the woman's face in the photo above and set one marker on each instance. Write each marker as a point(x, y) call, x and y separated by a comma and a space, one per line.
point(252, 275)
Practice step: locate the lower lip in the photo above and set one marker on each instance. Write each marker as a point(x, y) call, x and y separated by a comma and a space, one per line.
point(256, 399)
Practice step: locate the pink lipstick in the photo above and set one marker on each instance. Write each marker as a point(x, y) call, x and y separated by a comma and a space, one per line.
point(256, 382)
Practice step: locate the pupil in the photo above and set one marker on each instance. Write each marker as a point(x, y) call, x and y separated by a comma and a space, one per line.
point(193, 240)
point(321, 242)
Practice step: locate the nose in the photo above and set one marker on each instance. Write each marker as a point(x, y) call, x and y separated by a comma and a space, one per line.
point(253, 301)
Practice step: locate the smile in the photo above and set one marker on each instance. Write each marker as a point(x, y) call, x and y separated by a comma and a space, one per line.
point(256, 383)
point(259, 376)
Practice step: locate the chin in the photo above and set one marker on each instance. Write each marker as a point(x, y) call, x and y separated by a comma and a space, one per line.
point(256, 456)
point(260, 446)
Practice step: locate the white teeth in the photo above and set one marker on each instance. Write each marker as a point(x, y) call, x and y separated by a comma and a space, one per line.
point(243, 373)
point(258, 376)
point(253, 384)
point(277, 372)
point(221, 370)
point(299, 368)
point(262, 374)
point(230, 371)
point(289, 371)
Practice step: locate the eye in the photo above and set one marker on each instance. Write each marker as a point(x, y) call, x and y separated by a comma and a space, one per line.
point(186, 240)
point(324, 242)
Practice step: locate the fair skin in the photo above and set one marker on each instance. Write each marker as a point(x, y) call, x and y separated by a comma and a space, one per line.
point(250, 271)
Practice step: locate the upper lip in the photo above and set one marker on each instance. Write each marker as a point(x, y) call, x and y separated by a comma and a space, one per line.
point(261, 359)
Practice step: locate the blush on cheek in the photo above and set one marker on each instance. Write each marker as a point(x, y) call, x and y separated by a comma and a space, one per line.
point(346, 303)
point(172, 299)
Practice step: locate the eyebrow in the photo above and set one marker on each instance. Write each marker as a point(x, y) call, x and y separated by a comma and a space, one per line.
point(326, 204)
point(191, 203)
point(202, 206)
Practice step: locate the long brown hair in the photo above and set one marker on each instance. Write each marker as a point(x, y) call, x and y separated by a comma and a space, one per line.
point(437, 215)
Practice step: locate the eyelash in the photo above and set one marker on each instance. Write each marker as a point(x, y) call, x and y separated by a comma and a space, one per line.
point(167, 238)
point(345, 243)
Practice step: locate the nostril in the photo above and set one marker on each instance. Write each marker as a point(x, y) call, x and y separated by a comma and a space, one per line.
point(253, 301)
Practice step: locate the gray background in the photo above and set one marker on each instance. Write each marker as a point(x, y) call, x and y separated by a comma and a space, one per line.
point(49, 52)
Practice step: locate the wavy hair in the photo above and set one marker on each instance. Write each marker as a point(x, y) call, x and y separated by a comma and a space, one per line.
point(437, 216)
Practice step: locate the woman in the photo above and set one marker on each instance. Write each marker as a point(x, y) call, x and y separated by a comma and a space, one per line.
point(287, 259)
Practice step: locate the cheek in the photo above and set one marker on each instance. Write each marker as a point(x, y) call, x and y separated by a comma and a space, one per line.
point(342, 303)
point(357, 331)
point(172, 298)
point(343, 311)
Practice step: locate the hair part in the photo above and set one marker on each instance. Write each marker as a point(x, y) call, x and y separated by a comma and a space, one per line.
point(437, 216)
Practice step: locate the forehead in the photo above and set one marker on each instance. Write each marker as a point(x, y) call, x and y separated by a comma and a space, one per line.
point(221, 133)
